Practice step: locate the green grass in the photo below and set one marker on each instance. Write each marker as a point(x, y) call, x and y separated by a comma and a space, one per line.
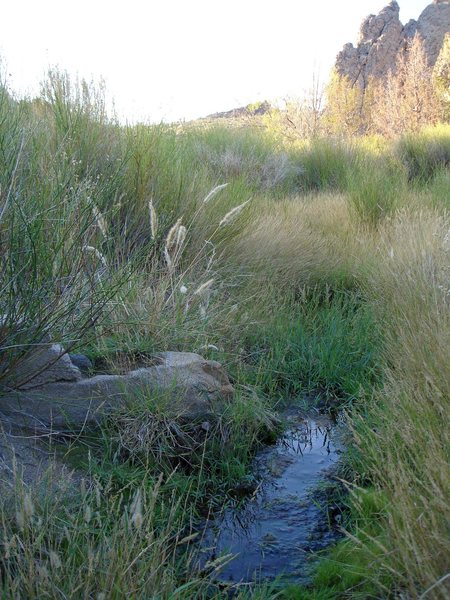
point(325, 164)
point(375, 190)
point(332, 280)
point(346, 571)
point(425, 153)
point(326, 345)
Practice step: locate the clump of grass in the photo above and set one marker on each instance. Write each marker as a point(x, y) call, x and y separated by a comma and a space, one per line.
point(96, 543)
point(324, 165)
point(425, 153)
point(306, 241)
point(146, 435)
point(154, 432)
point(327, 345)
point(401, 438)
point(248, 155)
point(374, 190)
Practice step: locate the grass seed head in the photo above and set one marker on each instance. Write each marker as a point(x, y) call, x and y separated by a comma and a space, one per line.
point(55, 561)
point(232, 214)
point(87, 514)
point(204, 287)
point(168, 259)
point(136, 510)
point(171, 238)
point(214, 192)
point(28, 507)
point(181, 236)
point(100, 221)
point(153, 219)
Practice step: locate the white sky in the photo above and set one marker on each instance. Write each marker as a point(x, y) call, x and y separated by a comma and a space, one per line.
point(175, 59)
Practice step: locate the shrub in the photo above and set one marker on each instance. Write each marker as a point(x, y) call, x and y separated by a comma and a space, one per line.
point(407, 99)
point(425, 154)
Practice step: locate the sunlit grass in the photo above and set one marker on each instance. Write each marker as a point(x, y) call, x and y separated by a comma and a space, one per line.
point(320, 266)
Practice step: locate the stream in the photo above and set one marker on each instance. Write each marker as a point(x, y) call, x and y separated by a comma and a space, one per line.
point(275, 529)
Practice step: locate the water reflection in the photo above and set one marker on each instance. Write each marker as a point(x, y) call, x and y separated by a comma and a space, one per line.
point(276, 528)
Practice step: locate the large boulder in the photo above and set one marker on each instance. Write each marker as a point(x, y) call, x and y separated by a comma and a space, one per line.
point(194, 387)
point(59, 400)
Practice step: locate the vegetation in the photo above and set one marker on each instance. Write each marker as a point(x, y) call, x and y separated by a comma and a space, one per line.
point(412, 95)
point(319, 267)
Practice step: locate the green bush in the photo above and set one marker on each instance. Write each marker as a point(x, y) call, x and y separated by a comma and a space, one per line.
point(426, 153)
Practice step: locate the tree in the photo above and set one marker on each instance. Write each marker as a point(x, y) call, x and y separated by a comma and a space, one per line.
point(346, 111)
point(407, 99)
point(441, 76)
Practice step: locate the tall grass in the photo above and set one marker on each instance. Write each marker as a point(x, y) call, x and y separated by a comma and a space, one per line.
point(374, 190)
point(411, 295)
point(113, 544)
point(318, 266)
point(425, 153)
point(400, 268)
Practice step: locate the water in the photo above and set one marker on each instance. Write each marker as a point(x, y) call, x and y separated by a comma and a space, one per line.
point(274, 531)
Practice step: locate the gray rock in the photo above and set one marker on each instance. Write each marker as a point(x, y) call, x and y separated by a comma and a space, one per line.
point(82, 362)
point(195, 387)
point(42, 365)
point(383, 36)
point(30, 461)
point(432, 25)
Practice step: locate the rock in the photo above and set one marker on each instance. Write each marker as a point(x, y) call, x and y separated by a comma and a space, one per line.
point(432, 25)
point(65, 402)
point(196, 388)
point(43, 365)
point(383, 36)
point(30, 461)
point(379, 41)
point(82, 362)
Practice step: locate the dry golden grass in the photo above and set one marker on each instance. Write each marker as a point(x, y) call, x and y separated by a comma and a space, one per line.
point(401, 267)
point(299, 241)
point(408, 453)
point(104, 543)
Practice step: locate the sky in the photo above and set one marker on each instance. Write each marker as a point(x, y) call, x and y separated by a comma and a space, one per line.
point(182, 59)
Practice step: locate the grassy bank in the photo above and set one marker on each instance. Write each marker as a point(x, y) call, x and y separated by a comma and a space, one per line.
point(319, 267)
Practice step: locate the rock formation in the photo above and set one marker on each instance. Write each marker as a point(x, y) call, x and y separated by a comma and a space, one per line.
point(251, 110)
point(383, 36)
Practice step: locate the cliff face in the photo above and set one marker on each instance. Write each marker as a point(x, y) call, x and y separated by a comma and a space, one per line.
point(383, 36)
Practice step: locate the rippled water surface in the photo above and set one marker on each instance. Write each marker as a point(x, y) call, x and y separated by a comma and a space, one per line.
point(275, 529)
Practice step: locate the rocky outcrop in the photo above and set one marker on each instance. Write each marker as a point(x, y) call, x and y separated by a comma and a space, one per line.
point(383, 36)
point(432, 26)
point(251, 110)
